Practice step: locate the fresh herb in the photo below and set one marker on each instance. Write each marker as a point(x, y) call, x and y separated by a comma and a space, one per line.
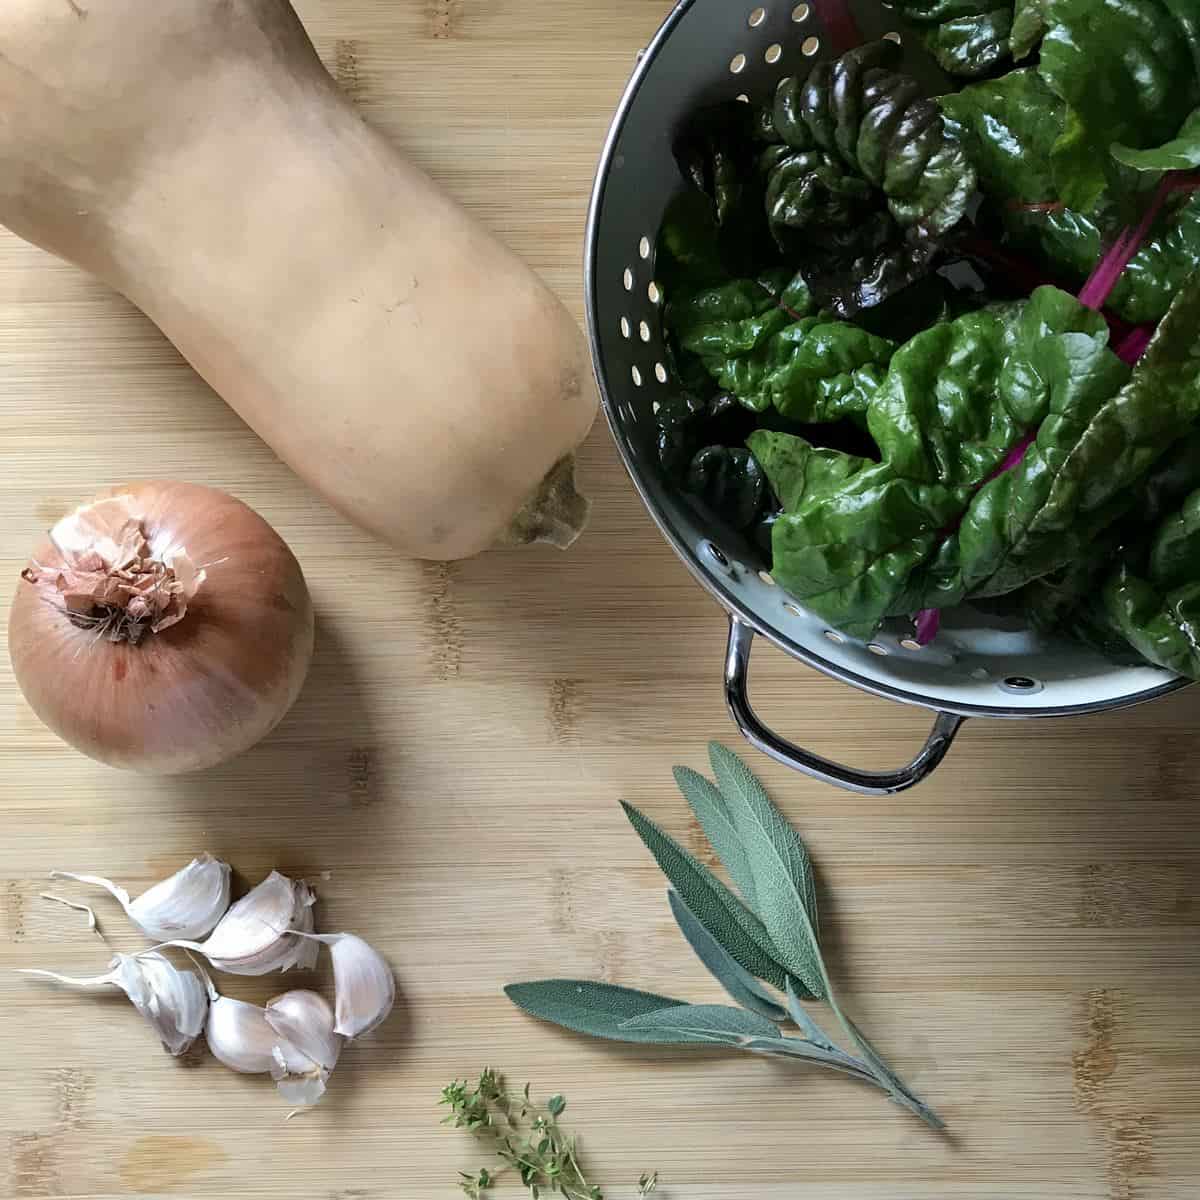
point(525, 1136)
point(768, 933)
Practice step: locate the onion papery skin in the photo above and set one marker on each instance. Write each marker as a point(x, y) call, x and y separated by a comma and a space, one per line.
point(197, 693)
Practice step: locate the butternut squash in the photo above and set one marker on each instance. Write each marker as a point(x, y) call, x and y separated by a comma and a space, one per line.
point(196, 156)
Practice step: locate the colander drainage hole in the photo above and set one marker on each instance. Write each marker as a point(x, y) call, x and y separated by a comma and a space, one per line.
point(800, 13)
point(716, 554)
point(1021, 684)
point(757, 17)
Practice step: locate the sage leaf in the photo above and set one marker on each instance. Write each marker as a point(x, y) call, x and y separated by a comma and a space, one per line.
point(782, 871)
point(711, 810)
point(804, 1021)
point(729, 921)
point(716, 1022)
point(598, 1009)
point(745, 794)
point(728, 972)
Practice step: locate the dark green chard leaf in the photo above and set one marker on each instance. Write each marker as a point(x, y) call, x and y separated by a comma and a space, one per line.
point(1179, 154)
point(868, 178)
point(1129, 71)
point(718, 154)
point(1154, 598)
point(1009, 126)
point(967, 37)
point(946, 514)
point(730, 482)
point(1028, 27)
point(811, 370)
point(1082, 472)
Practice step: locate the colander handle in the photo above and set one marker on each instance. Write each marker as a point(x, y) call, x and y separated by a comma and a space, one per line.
point(869, 783)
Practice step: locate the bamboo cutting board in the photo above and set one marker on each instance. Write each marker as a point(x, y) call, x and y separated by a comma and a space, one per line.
point(1020, 934)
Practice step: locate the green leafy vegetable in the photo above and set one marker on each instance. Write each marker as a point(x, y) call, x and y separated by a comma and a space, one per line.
point(1009, 127)
point(1028, 27)
point(967, 37)
point(730, 482)
point(772, 865)
point(1182, 152)
point(867, 179)
point(1129, 71)
point(1153, 598)
point(809, 369)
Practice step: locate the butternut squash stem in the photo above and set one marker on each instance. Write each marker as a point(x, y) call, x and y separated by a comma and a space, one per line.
point(554, 513)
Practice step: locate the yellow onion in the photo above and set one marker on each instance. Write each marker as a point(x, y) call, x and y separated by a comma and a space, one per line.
point(164, 627)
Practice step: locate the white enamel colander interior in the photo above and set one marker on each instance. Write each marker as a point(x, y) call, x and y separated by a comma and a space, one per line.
point(713, 50)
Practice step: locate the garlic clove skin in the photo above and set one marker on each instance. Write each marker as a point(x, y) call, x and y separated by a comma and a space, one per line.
point(305, 1020)
point(175, 1002)
point(238, 1036)
point(257, 935)
point(363, 981)
point(185, 906)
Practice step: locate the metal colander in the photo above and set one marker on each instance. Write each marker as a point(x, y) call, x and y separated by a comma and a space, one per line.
point(708, 51)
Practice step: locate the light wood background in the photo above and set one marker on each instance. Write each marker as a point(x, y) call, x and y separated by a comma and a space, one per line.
point(1020, 933)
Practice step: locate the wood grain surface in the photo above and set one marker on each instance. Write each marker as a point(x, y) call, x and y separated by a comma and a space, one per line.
point(1020, 933)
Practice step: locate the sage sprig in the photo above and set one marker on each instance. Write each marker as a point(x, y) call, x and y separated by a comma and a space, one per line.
point(767, 934)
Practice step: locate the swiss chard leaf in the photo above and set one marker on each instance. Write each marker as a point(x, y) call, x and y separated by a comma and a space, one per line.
point(811, 370)
point(1082, 472)
point(1129, 71)
point(1009, 126)
point(1160, 625)
point(877, 122)
point(730, 482)
point(1179, 154)
point(945, 514)
point(1028, 26)
point(966, 37)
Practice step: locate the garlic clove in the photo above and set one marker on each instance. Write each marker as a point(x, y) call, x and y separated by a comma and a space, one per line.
point(189, 904)
point(257, 935)
point(363, 981)
point(186, 906)
point(305, 1019)
point(175, 1002)
point(238, 1036)
point(242, 1037)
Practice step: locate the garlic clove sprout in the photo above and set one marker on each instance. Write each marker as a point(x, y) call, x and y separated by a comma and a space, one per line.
point(305, 1019)
point(363, 981)
point(188, 905)
point(175, 1002)
point(261, 932)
